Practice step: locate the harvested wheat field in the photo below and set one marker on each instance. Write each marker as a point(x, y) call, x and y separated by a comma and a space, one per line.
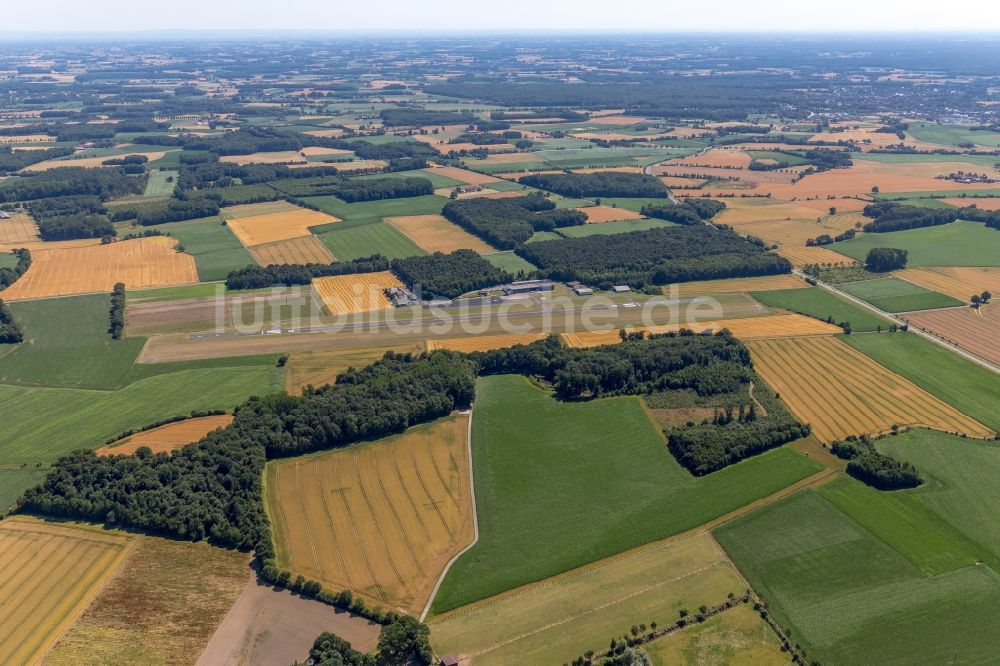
point(90, 162)
point(141, 262)
point(615, 120)
point(484, 193)
point(18, 229)
point(434, 233)
point(361, 292)
point(278, 157)
point(464, 175)
point(745, 328)
point(714, 158)
point(167, 437)
point(48, 573)
point(254, 209)
point(271, 227)
point(786, 223)
point(474, 343)
point(380, 519)
point(974, 330)
point(958, 282)
point(842, 392)
point(851, 182)
point(301, 250)
point(743, 285)
point(316, 368)
point(801, 256)
point(160, 608)
point(598, 214)
point(979, 202)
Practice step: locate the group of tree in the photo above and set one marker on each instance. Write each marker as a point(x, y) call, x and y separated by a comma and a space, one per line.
point(12, 160)
point(413, 117)
point(258, 277)
point(403, 641)
point(116, 312)
point(448, 275)
point(885, 259)
point(110, 183)
point(876, 469)
point(653, 257)
point(9, 275)
point(75, 226)
point(10, 331)
point(890, 216)
point(981, 298)
point(826, 239)
point(352, 191)
point(507, 223)
point(691, 211)
point(600, 184)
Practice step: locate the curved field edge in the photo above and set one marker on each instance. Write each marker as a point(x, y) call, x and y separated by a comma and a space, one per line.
point(560, 485)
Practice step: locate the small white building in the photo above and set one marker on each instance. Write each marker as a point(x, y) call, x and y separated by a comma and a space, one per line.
point(583, 291)
point(621, 289)
point(4, 215)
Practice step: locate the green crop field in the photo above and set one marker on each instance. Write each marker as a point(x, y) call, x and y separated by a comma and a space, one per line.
point(67, 344)
point(8, 260)
point(634, 203)
point(952, 135)
point(848, 596)
point(781, 158)
point(968, 387)
point(509, 262)
point(820, 303)
point(958, 244)
point(39, 425)
point(620, 227)
point(895, 295)
point(160, 184)
point(368, 239)
point(14, 481)
point(366, 212)
point(215, 249)
point(559, 485)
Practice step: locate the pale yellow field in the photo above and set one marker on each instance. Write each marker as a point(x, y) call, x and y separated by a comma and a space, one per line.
point(254, 209)
point(743, 285)
point(841, 392)
point(598, 214)
point(978, 202)
point(559, 619)
point(349, 167)
point(18, 229)
point(258, 229)
point(48, 573)
point(484, 342)
point(380, 519)
point(86, 161)
point(975, 330)
point(801, 256)
point(278, 157)
point(301, 250)
point(464, 175)
point(434, 233)
point(167, 437)
point(745, 328)
point(316, 368)
point(959, 282)
point(363, 292)
point(141, 262)
point(26, 138)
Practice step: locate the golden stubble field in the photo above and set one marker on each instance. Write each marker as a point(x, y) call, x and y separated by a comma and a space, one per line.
point(959, 281)
point(380, 519)
point(271, 227)
point(434, 233)
point(167, 437)
point(842, 392)
point(362, 292)
point(140, 262)
point(48, 573)
point(19, 228)
point(301, 250)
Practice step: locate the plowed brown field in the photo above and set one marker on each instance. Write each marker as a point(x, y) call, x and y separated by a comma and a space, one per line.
point(362, 292)
point(977, 331)
point(842, 392)
point(168, 437)
point(380, 519)
point(141, 262)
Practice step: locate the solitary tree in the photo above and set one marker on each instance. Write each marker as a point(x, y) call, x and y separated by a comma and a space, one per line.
point(833, 210)
point(976, 300)
point(986, 296)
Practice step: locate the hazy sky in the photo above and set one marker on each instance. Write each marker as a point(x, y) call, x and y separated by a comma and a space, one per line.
point(478, 15)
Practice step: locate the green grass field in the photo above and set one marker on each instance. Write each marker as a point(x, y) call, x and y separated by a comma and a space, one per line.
point(605, 228)
point(8, 260)
point(781, 158)
point(820, 303)
point(366, 212)
point(958, 244)
point(738, 636)
point(215, 249)
point(952, 135)
point(850, 597)
point(160, 184)
point(634, 203)
point(67, 344)
point(368, 239)
point(39, 425)
point(559, 485)
point(14, 481)
point(895, 295)
point(968, 387)
point(509, 262)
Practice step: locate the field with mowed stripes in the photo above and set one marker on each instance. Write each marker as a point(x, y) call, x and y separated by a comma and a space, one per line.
point(380, 519)
point(974, 329)
point(302, 250)
point(842, 392)
point(48, 573)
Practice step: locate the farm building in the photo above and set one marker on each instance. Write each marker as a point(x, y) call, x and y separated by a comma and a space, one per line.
point(449, 660)
point(4, 215)
point(621, 289)
point(581, 290)
point(526, 286)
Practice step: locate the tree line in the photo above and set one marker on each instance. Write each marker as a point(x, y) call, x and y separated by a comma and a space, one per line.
point(878, 470)
point(449, 275)
point(692, 211)
point(10, 330)
point(507, 223)
point(600, 184)
point(8, 275)
point(116, 312)
point(258, 277)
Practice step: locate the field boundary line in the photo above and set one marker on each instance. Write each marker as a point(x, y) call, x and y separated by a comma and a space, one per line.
point(475, 523)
